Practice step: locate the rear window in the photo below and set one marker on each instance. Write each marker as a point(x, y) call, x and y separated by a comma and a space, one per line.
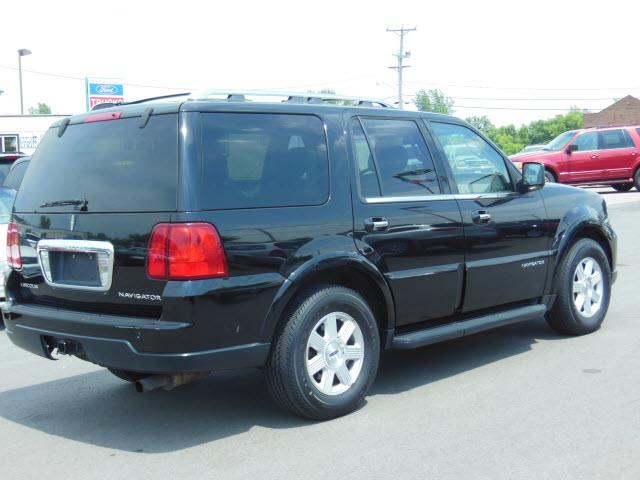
point(263, 160)
point(115, 166)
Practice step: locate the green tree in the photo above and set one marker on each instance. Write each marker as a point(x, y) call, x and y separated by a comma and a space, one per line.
point(433, 101)
point(511, 139)
point(41, 109)
point(481, 123)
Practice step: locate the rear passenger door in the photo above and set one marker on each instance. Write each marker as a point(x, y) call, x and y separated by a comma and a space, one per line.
point(405, 221)
point(506, 248)
point(617, 153)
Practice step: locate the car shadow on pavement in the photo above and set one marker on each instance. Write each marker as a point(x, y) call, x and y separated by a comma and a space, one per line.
point(98, 409)
point(402, 370)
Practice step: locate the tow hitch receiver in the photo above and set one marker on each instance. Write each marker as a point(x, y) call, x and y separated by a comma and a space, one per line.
point(54, 347)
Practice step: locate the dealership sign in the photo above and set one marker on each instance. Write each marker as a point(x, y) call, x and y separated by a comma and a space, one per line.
point(100, 90)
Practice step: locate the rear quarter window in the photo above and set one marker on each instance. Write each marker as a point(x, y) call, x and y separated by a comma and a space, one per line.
point(263, 160)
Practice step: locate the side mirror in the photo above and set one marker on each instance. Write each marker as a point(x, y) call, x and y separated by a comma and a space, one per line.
point(532, 177)
point(572, 148)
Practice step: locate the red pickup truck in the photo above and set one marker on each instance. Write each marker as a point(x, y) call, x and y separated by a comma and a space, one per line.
point(602, 156)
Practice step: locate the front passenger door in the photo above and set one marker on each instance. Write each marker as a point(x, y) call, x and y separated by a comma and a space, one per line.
point(585, 163)
point(506, 255)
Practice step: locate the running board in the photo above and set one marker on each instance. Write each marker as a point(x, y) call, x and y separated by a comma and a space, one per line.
point(467, 327)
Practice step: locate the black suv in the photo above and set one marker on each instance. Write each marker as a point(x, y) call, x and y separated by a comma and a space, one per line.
point(171, 238)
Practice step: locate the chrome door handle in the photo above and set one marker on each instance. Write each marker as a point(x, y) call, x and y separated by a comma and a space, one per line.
point(634, 153)
point(376, 224)
point(481, 216)
point(594, 156)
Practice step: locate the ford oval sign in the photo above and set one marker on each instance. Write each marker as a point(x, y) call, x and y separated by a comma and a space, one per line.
point(106, 89)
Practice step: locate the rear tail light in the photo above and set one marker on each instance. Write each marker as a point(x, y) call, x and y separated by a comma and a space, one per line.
point(185, 251)
point(14, 259)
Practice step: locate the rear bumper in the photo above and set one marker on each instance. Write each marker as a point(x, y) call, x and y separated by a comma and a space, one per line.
point(24, 328)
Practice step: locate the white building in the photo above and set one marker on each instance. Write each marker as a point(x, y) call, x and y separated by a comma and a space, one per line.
point(22, 133)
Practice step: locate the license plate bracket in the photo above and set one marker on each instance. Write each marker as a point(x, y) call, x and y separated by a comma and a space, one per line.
point(76, 264)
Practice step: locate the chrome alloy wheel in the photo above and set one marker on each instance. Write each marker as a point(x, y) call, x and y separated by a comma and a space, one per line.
point(335, 353)
point(588, 287)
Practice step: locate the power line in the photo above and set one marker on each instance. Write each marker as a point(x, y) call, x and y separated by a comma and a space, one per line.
point(400, 56)
point(530, 99)
point(520, 109)
point(71, 77)
point(544, 89)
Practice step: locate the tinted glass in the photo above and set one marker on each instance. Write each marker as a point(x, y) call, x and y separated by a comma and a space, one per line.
point(260, 160)
point(10, 144)
point(7, 197)
point(115, 165)
point(476, 166)
point(15, 175)
point(367, 175)
point(403, 162)
point(4, 170)
point(586, 141)
point(611, 139)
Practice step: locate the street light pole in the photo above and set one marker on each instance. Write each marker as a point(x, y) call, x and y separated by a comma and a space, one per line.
point(21, 53)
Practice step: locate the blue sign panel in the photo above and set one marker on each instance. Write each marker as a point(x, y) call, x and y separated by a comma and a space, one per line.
point(107, 89)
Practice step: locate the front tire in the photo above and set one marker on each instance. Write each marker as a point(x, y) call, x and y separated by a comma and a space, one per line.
point(550, 176)
point(325, 357)
point(583, 290)
point(622, 187)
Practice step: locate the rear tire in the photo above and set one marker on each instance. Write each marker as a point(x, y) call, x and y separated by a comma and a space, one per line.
point(325, 357)
point(622, 187)
point(549, 176)
point(127, 375)
point(636, 179)
point(583, 290)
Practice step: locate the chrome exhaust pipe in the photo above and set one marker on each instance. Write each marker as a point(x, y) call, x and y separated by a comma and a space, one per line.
point(167, 382)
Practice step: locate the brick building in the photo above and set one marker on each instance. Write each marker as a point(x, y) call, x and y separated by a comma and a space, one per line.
point(625, 111)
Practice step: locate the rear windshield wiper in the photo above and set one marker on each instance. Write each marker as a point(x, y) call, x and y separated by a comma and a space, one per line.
point(81, 203)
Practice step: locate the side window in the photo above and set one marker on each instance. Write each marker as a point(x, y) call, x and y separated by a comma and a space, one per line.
point(587, 141)
point(367, 176)
point(263, 160)
point(627, 139)
point(611, 139)
point(9, 144)
point(476, 166)
point(402, 160)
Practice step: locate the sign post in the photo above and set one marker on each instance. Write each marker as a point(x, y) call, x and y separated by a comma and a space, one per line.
point(103, 90)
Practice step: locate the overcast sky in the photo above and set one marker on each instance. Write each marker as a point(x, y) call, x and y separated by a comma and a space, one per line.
point(514, 61)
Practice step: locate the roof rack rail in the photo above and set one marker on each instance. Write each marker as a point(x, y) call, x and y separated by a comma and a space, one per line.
point(289, 97)
point(241, 96)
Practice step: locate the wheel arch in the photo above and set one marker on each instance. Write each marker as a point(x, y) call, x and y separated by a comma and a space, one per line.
point(552, 170)
point(349, 270)
point(585, 229)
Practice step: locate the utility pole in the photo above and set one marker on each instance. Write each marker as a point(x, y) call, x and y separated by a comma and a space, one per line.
point(400, 56)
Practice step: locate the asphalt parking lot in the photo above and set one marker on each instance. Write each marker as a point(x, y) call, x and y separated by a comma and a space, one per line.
point(517, 402)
